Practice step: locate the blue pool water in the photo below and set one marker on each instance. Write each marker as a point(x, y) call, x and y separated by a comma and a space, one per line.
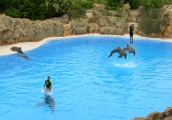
point(87, 85)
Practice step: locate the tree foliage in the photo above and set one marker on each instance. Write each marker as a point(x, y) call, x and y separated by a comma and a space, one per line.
point(42, 9)
point(57, 7)
point(34, 9)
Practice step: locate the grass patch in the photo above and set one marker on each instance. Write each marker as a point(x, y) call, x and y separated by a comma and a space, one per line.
point(118, 15)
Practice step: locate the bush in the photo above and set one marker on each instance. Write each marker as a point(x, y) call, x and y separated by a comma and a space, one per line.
point(75, 7)
point(155, 14)
point(12, 12)
point(134, 4)
point(82, 5)
point(86, 4)
point(76, 14)
point(149, 25)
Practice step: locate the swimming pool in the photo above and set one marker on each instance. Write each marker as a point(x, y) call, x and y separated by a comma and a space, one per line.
point(87, 85)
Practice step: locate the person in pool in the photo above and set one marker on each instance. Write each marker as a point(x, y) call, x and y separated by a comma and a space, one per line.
point(47, 85)
point(131, 33)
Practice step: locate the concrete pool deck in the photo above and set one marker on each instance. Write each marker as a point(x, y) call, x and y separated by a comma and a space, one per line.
point(5, 50)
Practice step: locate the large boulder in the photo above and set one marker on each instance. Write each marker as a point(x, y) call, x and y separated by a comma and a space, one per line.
point(133, 16)
point(155, 116)
point(93, 28)
point(166, 115)
point(166, 22)
point(67, 30)
point(14, 30)
point(79, 26)
point(99, 7)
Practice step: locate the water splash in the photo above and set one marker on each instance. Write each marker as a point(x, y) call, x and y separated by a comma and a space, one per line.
point(127, 65)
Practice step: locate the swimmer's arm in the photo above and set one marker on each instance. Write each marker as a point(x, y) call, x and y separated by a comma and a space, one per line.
point(44, 84)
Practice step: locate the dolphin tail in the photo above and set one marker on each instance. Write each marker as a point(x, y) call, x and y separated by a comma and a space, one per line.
point(120, 56)
point(110, 55)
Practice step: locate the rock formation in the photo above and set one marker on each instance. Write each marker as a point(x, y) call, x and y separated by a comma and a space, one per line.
point(79, 26)
point(14, 30)
point(98, 20)
point(166, 115)
point(166, 22)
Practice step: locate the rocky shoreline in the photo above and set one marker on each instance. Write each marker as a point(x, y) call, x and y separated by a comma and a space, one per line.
point(166, 115)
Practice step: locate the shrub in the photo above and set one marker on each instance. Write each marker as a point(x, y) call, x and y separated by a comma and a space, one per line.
point(76, 14)
point(86, 4)
point(75, 7)
point(149, 25)
point(12, 12)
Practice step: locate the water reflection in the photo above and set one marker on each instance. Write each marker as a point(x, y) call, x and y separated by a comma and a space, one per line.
point(48, 100)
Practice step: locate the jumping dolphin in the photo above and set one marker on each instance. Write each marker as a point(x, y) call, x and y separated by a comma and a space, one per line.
point(130, 49)
point(120, 51)
point(17, 49)
point(48, 100)
point(20, 52)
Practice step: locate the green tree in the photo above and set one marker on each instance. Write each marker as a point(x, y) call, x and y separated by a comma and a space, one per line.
point(57, 8)
point(134, 4)
point(151, 5)
point(12, 12)
point(5, 4)
point(113, 4)
point(32, 9)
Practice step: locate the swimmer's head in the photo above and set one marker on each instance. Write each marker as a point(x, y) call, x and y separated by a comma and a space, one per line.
point(48, 78)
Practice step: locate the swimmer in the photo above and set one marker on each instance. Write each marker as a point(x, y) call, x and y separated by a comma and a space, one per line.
point(48, 85)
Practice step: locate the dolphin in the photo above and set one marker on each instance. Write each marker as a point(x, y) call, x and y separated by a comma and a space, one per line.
point(17, 49)
point(48, 100)
point(120, 51)
point(130, 49)
point(20, 52)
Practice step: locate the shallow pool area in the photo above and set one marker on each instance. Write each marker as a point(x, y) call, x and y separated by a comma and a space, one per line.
point(87, 85)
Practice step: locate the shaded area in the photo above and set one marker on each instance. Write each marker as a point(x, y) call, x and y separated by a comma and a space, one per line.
point(49, 101)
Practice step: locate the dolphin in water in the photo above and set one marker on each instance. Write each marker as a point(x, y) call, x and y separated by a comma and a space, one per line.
point(48, 100)
point(23, 55)
point(120, 51)
point(20, 52)
point(130, 49)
